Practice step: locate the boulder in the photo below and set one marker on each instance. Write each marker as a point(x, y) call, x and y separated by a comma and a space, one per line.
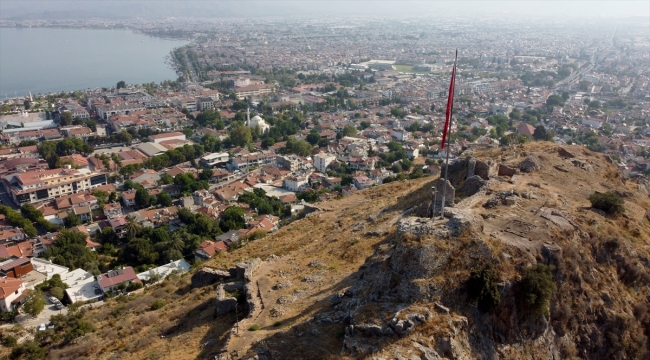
point(473, 185)
point(427, 353)
point(561, 167)
point(484, 169)
point(505, 170)
point(492, 203)
point(530, 164)
point(404, 327)
point(565, 153)
point(443, 309)
point(582, 164)
point(510, 200)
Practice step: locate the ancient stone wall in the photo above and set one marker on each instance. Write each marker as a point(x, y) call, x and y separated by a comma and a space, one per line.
point(208, 276)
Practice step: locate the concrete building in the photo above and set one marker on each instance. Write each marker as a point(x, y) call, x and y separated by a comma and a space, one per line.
point(11, 293)
point(322, 161)
point(205, 103)
point(41, 185)
point(295, 183)
point(158, 138)
point(214, 159)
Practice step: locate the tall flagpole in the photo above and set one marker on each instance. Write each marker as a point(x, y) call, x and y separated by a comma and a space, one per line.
point(451, 113)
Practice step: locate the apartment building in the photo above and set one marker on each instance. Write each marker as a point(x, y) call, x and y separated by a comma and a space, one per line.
point(104, 111)
point(322, 161)
point(254, 90)
point(41, 185)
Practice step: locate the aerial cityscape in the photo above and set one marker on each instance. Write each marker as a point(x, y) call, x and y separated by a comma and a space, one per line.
point(270, 180)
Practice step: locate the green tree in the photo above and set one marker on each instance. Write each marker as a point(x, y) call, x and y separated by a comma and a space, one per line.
point(349, 130)
point(313, 138)
point(30, 212)
point(142, 198)
point(72, 220)
point(166, 179)
point(124, 137)
point(29, 350)
point(57, 292)
point(232, 219)
point(608, 202)
point(537, 287)
point(240, 135)
point(70, 250)
point(139, 251)
point(34, 303)
point(165, 199)
point(120, 84)
point(132, 227)
point(66, 118)
point(540, 133)
point(482, 288)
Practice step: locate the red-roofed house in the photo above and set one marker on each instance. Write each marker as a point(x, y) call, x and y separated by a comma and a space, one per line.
point(525, 129)
point(11, 293)
point(208, 248)
point(25, 248)
point(111, 280)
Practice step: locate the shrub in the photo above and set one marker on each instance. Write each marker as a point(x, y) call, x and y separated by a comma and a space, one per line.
point(57, 292)
point(8, 316)
point(134, 286)
point(277, 323)
point(35, 303)
point(9, 341)
point(28, 350)
point(608, 202)
point(254, 327)
point(536, 290)
point(157, 305)
point(482, 288)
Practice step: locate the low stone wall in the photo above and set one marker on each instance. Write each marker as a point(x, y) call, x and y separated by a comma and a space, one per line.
point(225, 304)
point(245, 270)
point(208, 276)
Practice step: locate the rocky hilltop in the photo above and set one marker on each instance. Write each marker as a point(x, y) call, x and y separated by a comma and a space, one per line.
point(521, 266)
point(521, 215)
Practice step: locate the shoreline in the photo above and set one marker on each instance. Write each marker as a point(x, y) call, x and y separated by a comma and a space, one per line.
point(167, 60)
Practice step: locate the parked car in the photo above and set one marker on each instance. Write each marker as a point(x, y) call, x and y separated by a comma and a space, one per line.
point(53, 300)
point(59, 306)
point(41, 327)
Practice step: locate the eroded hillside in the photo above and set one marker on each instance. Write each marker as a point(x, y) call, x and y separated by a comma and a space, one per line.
point(365, 278)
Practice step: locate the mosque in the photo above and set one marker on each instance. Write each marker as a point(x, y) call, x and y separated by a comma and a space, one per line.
point(256, 121)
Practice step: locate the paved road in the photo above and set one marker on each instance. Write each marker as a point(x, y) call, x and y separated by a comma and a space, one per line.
point(44, 317)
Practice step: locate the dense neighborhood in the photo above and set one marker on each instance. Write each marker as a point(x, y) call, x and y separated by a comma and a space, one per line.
point(107, 190)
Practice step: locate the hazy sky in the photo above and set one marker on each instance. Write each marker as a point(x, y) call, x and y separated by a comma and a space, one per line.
point(242, 8)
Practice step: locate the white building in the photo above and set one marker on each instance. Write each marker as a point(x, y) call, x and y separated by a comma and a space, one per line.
point(179, 266)
point(158, 138)
point(256, 121)
point(322, 161)
point(214, 159)
point(11, 293)
point(295, 183)
point(84, 292)
point(400, 135)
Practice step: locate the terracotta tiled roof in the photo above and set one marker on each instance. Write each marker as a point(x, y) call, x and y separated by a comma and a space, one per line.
point(116, 277)
point(8, 286)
